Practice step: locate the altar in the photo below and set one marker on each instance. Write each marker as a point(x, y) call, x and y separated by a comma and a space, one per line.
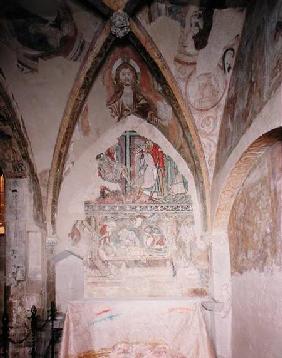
point(144, 263)
point(135, 328)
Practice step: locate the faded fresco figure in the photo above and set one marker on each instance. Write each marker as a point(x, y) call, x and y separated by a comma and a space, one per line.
point(34, 37)
point(204, 91)
point(128, 98)
point(93, 259)
point(276, 49)
point(193, 37)
point(110, 168)
point(228, 58)
point(151, 170)
point(195, 34)
point(146, 173)
point(278, 26)
point(159, 161)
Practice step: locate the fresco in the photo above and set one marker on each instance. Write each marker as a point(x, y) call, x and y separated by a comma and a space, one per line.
point(256, 76)
point(274, 43)
point(129, 249)
point(195, 27)
point(205, 90)
point(255, 221)
point(193, 38)
point(140, 231)
point(128, 99)
point(134, 350)
point(204, 86)
point(203, 83)
point(132, 90)
point(142, 171)
point(34, 37)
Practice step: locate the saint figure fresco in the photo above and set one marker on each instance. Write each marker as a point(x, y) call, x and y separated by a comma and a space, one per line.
point(128, 97)
point(195, 34)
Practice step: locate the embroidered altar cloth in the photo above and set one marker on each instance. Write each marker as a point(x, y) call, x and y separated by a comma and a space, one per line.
point(135, 329)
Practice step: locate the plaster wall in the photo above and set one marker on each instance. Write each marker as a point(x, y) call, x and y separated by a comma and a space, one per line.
point(69, 281)
point(256, 309)
point(255, 250)
point(41, 92)
point(41, 98)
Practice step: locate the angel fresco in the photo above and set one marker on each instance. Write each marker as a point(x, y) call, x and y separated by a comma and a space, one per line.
point(34, 37)
point(128, 98)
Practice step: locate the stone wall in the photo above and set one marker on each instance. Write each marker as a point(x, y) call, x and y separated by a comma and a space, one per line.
point(256, 260)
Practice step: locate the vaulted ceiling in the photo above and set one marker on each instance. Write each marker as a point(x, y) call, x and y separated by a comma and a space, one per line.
point(109, 35)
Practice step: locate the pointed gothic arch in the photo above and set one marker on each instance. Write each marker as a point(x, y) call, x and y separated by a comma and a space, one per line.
point(16, 158)
point(239, 173)
point(97, 53)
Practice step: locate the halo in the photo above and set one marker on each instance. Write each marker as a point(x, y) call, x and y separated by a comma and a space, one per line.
point(120, 61)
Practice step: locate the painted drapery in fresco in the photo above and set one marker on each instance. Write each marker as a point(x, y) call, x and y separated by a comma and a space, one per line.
point(135, 328)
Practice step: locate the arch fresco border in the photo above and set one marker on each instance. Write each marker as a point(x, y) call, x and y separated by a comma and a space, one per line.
point(16, 124)
point(239, 173)
point(98, 51)
point(78, 94)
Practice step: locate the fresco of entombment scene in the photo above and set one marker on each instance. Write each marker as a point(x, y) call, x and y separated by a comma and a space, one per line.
point(37, 37)
point(202, 61)
point(140, 231)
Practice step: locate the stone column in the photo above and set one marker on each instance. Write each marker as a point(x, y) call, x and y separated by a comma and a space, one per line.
point(24, 252)
point(51, 243)
point(221, 293)
point(16, 243)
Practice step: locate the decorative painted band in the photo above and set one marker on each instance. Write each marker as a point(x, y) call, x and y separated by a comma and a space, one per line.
point(90, 208)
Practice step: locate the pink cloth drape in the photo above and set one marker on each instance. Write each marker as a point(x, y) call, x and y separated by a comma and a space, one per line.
point(135, 329)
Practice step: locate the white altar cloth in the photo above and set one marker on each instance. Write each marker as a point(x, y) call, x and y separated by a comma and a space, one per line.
point(135, 329)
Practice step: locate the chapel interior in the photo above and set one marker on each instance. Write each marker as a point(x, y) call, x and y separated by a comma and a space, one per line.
point(141, 175)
